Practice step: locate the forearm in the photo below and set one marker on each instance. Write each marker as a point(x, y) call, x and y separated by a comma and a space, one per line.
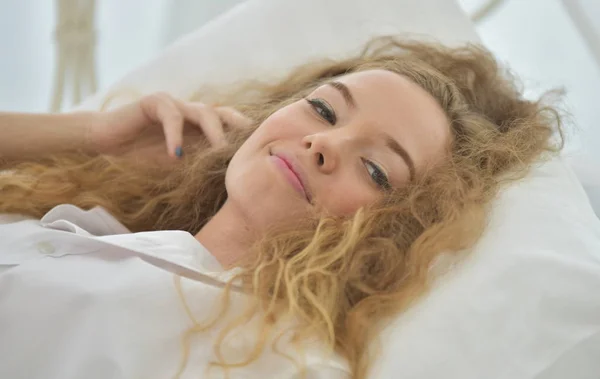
point(24, 135)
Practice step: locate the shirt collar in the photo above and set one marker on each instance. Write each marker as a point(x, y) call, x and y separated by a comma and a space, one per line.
point(175, 250)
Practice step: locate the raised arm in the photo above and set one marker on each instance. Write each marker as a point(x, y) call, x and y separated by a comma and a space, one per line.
point(24, 135)
point(152, 121)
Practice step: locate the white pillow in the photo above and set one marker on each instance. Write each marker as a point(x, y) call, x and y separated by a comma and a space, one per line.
point(266, 38)
point(588, 172)
point(526, 303)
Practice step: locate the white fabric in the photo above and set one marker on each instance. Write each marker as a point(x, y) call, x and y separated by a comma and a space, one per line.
point(526, 303)
point(588, 172)
point(79, 305)
point(266, 38)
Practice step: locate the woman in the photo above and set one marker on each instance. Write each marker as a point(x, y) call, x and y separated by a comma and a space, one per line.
point(327, 197)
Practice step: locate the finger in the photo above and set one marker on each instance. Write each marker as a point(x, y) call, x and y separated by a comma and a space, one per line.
point(172, 120)
point(208, 121)
point(233, 118)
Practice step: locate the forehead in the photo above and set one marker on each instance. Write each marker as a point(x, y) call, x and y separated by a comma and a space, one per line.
point(395, 104)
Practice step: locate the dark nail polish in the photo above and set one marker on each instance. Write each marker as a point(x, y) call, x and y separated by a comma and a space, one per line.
point(179, 152)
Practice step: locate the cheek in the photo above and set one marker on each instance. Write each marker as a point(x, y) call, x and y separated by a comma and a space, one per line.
point(276, 127)
point(286, 122)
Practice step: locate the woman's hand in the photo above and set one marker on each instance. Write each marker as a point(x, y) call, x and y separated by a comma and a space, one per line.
point(143, 128)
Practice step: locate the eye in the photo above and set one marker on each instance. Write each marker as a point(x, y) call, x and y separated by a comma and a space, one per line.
point(323, 109)
point(377, 174)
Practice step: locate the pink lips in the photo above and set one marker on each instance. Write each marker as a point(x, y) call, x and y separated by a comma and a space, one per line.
point(291, 174)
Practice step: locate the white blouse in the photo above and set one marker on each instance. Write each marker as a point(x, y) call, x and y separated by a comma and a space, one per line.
point(82, 297)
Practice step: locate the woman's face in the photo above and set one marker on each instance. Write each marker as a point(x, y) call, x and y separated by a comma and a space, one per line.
point(338, 149)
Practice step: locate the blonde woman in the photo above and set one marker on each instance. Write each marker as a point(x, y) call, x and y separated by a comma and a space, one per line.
point(273, 237)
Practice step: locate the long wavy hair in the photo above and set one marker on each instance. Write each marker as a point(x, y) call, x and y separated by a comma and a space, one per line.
point(340, 279)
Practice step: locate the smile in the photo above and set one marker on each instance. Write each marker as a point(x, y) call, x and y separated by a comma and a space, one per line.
point(286, 167)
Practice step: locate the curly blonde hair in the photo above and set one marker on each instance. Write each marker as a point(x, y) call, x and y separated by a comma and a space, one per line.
point(340, 278)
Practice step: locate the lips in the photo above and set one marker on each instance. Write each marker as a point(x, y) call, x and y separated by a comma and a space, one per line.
point(298, 180)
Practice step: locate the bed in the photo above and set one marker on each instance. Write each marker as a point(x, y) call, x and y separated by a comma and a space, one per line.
point(525, 304)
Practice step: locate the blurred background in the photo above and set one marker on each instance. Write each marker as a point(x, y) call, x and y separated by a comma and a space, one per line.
point(539, 39)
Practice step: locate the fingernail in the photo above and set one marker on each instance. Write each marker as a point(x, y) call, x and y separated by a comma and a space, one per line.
point(178, 151)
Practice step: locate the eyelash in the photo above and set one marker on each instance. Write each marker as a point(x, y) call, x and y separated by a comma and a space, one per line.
point(378, 176)
point(323, 110)
point(326, 112)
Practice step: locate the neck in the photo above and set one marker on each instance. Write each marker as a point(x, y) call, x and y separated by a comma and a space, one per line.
point(227, 236)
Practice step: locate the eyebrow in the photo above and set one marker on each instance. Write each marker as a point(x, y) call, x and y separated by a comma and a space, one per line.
point(345, 92)
point(398, 149)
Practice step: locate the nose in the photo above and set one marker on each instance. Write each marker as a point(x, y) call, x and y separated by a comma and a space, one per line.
point(322, 152)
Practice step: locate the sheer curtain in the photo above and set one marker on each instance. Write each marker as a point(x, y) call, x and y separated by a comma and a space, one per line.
point(128, 33)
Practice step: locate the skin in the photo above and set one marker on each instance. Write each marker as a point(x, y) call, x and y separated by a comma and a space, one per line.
point(337, 162)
